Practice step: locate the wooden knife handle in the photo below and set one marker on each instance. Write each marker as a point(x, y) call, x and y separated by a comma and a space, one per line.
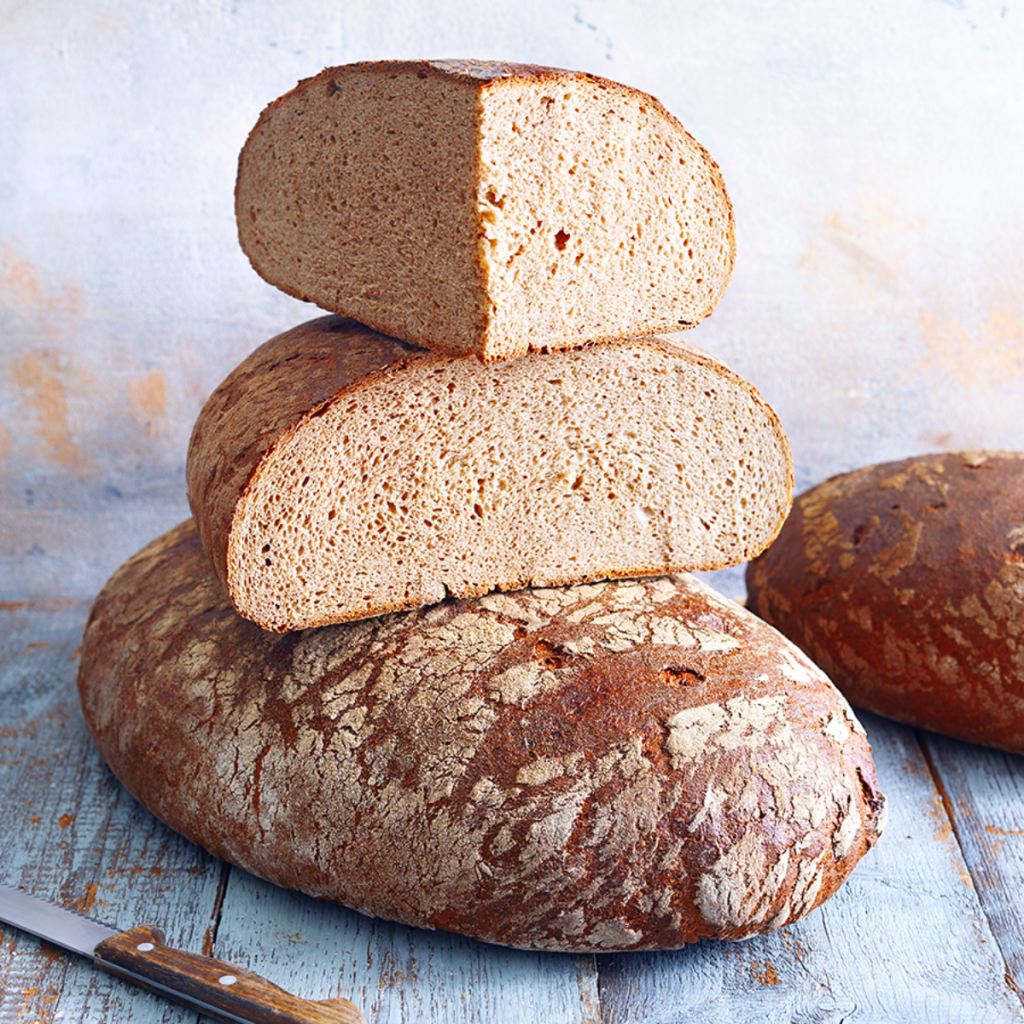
point(216, 988)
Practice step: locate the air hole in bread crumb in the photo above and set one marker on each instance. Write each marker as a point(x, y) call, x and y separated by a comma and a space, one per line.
point(560, 240)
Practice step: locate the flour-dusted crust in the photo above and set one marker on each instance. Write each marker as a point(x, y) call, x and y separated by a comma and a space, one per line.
point(905, 582)
point(477, 206)
point(339, 474)
point(631, 765)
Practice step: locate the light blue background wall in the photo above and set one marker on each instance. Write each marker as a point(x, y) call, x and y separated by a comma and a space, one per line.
point(874, 151)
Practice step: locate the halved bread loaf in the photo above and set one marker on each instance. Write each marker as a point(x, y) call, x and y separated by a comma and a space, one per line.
point(339, 474)
point(474, 206)
point(631, 765)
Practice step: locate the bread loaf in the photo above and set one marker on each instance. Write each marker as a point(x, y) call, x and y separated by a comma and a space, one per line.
point(905, 582)
point(630, 765)
point(339, 474)
point(475, 206)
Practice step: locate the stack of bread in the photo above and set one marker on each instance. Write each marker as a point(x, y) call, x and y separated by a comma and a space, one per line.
point(425, 649)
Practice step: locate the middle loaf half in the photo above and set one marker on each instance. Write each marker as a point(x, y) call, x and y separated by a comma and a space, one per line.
point(338, 473)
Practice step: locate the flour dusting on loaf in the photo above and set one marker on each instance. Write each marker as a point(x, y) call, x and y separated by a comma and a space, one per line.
point(327, 491)
point(622, 765)
point(474, 206)
point(905, 582)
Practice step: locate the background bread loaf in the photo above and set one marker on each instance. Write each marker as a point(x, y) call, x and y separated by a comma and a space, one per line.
point(475, 206)
point(616, 766)
point(905, 582)
point(339, 474)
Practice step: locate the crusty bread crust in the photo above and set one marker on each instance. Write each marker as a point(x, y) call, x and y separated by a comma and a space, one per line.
point(617, 766)
point(339, 474)
point(485, 207)
point(263, 398)
point(905, 582)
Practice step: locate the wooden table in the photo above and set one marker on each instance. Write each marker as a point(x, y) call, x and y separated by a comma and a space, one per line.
point(927, 929)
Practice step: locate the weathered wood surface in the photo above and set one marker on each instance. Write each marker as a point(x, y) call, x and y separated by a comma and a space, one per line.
point(927, 928)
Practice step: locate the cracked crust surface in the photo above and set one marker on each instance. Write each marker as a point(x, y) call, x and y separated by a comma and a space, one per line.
point(474, 206)
point(340, 474)
point(623, 765)
point(905, 582)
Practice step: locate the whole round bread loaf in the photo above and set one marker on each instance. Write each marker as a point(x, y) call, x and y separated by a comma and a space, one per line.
point(632, 765)
point(484, 207)
point(905, 582)
point(339, 474)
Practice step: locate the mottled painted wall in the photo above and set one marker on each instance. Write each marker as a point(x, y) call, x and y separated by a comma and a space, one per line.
point(873, 149)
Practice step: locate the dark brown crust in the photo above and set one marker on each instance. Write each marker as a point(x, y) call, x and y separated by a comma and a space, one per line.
point(489, 71)
point(624, 766)
point(905, 582)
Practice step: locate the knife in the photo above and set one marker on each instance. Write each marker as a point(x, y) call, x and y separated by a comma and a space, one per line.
point(141, 955)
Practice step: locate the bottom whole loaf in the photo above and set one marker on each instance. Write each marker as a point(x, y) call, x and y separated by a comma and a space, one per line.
point(628, 765)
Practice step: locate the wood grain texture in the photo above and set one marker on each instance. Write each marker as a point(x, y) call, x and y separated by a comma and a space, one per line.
point(983, 791)
point(72, 835)
point(925, 929)
point(398, 974)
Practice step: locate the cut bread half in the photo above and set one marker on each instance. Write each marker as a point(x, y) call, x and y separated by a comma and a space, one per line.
point(339, 474)
point(475, 206)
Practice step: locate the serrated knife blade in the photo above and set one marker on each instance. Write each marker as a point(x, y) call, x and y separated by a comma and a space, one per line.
point(66, 928)
point(141, 955)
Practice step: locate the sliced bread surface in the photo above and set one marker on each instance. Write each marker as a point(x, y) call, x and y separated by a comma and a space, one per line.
point(339, 474)
point(630, 765)
point(478, 206)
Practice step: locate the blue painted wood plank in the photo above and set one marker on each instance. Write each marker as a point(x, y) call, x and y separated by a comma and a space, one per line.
point(984, 792)
point(399, 975)
point(70, 833)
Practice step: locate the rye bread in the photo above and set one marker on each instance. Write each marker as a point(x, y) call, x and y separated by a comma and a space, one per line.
point(631, 765)
point(339, 474)
point(905, 582)
point(486, 207)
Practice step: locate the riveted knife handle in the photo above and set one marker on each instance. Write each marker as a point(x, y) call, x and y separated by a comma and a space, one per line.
point(216, 988)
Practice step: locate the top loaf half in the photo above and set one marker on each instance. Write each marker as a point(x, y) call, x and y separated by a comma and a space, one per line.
point(478, 207)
